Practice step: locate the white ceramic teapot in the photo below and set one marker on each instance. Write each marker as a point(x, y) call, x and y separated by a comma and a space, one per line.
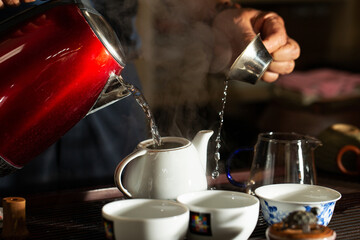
point(178, 166)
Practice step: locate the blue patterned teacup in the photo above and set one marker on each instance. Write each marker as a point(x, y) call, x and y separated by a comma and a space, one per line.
point(279, 200)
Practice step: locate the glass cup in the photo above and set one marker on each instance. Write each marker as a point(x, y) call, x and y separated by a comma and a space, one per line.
point(279, 158)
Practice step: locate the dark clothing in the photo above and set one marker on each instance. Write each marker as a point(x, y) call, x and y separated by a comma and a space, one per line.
point(120, 14)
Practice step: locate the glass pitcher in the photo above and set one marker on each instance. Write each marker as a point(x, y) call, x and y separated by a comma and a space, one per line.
point(280, 158)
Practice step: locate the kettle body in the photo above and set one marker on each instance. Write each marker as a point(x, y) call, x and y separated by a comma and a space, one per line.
point(57, 61)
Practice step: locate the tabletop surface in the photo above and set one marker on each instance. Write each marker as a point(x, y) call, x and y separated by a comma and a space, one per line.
point(77, 214)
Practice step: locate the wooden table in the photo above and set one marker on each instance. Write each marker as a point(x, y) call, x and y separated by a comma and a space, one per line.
point(77, 214)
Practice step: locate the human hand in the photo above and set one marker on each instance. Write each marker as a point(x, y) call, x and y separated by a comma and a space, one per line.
point(13, 3)
point(235, 28)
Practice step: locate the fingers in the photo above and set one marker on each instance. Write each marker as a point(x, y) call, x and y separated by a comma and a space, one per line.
point(241, 25)
point(277, 68)
point(283, 49)
point(270, 76)
point(283, 61)
point(13, 3)
point(282, 67)
point(289, 51)
point(272, 29)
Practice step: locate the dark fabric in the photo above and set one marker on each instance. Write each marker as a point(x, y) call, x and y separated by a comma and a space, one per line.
point(120, 14)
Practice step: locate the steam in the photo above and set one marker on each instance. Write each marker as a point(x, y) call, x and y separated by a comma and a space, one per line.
point(181, 53)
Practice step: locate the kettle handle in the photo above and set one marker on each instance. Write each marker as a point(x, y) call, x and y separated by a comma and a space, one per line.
point(120, 168)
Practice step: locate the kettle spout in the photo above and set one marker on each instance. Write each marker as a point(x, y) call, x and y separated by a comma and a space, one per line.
point(113, 91)
point(200, 142)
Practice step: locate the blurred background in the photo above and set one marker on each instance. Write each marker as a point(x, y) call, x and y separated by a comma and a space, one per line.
point(323, 90)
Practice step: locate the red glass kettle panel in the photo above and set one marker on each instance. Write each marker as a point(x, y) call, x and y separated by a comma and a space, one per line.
point(52, 70)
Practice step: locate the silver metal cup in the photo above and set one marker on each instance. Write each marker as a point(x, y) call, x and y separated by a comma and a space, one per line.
point(251, 64)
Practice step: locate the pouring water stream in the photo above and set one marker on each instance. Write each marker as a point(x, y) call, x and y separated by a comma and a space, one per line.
point(217, 157)
point(140, 99)
point(248, 67)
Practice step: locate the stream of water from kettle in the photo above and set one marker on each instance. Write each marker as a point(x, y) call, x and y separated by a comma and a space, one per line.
point(139, 97)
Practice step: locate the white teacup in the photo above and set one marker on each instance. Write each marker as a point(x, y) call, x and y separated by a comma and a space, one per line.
point(219, 214)
point(146, 219)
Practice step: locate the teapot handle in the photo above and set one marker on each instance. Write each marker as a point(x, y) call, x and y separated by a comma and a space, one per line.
point(120, 168)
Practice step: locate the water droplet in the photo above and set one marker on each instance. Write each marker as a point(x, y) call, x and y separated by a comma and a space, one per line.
point(215, 174)
point(217, 156)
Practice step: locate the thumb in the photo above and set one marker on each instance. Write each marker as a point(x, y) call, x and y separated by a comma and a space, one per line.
point(272, 29)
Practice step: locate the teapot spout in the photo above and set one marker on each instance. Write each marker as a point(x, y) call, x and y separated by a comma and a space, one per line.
point(113, 91)
point(200, 142)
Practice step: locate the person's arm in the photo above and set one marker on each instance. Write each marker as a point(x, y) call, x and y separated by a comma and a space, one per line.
point(235, 28)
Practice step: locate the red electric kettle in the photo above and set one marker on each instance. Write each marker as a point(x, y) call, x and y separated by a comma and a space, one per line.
point(58, 63)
